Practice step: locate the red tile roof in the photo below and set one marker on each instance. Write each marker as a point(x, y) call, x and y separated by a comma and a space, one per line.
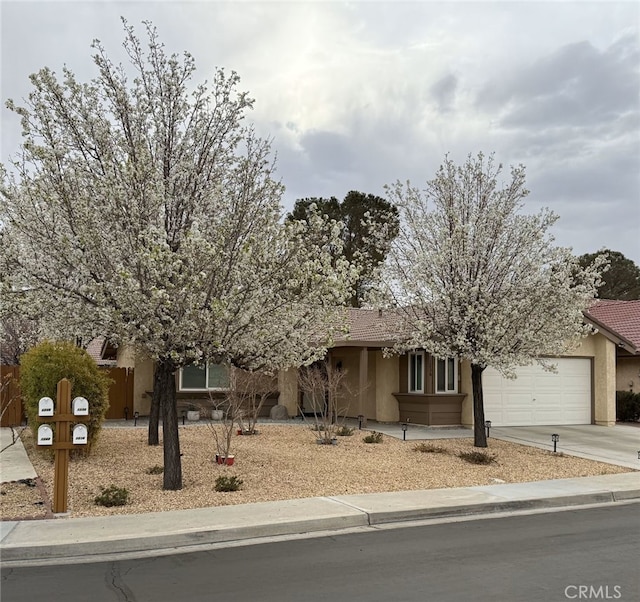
point(622, 318)
point(95, 349)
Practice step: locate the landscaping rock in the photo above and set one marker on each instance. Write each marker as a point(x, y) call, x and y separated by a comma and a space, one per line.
point(279, 412)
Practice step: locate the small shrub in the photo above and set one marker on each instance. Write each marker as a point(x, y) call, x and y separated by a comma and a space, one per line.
point(627, 406)
point(112, 496)
point(344, 431)
point(49, 362)
point(157, 469)
point(374, 437)
point(228, 483)
point(429, 448)
point(477, 457)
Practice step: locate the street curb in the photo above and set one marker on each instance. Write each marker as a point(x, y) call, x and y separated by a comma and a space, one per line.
point(379, 518)
point(353, 517)
point(206, 536)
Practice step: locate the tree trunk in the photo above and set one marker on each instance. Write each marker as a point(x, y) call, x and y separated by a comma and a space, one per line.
point(165, 383)
point(154, 414)
point(479, 433)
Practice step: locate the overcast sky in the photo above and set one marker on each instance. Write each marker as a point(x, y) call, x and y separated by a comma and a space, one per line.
point(358, 94)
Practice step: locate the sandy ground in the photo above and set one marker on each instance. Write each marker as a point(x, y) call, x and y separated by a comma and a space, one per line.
point(281, 462)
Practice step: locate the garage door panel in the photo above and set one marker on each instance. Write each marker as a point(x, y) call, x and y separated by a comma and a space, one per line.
point(539, 397)
point(517, 419)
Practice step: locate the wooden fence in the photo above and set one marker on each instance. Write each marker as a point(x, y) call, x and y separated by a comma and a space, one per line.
point(120, 394)
point(10, 400)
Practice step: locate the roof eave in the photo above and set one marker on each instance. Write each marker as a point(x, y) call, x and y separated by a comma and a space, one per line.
point(620, 341)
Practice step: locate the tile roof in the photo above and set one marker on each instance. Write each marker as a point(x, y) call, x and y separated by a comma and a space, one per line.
point(622, 318)
point(95, 348)
point(373, 326)
point(382, 328)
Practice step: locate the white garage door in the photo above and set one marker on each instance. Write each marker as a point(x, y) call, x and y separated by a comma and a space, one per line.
point(538, 397)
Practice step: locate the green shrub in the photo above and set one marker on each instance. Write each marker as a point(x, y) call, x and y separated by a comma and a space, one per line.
point(627, 406)
point(374, 437)
point(477, 457)
point(112, 496)
point(228, 483)
point(157, 469)
point(42, 367)
point(344, 431)
point(429, 448)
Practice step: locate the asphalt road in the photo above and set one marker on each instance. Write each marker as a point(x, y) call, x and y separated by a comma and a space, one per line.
point(569, 555)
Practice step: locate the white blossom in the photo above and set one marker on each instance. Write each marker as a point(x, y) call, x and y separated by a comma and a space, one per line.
point(473, 277)
point(151, 215)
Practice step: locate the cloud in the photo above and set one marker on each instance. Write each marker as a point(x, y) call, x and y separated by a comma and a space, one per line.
point(444, 91)
point(358, 95)
point(573, 86)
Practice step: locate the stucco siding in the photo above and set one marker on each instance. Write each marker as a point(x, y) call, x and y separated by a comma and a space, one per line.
point(288, 387)
point(143, 386)
point(604, 381)
point(466, 388)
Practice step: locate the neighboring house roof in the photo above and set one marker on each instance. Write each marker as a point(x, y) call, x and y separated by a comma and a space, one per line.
point(103, 353)
point(619, 319)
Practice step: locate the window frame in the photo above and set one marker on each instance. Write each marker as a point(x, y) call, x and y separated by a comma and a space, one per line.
point(446, 390)
point(412, 372)
point(181, 388)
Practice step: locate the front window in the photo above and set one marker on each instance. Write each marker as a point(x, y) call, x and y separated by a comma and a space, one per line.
point(416, 372)
point(203, 378)
point(446, 375)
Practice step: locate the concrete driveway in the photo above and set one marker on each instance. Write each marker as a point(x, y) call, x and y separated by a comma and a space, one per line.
point(618, 444)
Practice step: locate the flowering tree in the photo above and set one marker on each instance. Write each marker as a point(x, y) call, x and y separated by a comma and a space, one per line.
point(474, 278)
point(145, 211)
point(369, 223)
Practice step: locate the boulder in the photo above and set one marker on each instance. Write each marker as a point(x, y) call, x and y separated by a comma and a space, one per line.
point(279, 412)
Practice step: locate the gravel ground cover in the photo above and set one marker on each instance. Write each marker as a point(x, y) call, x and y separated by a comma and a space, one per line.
point(281, 462)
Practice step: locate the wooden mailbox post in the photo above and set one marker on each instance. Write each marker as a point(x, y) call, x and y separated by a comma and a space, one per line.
point(63, 416)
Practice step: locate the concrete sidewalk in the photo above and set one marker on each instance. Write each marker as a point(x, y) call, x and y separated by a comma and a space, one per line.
point(14, 462)
point(84, 539)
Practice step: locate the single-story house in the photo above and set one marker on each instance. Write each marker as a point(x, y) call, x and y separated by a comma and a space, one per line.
point(423, 389)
